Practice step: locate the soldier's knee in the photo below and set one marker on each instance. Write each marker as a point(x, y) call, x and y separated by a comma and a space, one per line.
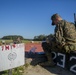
point(44, 44)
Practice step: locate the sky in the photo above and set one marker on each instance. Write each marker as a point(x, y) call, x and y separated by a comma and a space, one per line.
point(30, 18)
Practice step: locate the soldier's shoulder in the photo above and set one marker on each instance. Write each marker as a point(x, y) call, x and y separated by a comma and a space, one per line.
point(62, 22)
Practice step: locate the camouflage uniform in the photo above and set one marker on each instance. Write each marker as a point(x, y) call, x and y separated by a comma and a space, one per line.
point(64, 40)
point(65, 36)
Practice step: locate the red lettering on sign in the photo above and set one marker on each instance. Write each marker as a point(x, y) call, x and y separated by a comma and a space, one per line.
point(14, 45)
point(6, 47)
point(2, 48)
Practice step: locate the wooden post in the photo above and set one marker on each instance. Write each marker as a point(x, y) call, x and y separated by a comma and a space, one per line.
point(10, 72)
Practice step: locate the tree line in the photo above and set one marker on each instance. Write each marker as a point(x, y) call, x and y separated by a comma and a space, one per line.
point(12, 37)
point(36, 38)
point(41, 37)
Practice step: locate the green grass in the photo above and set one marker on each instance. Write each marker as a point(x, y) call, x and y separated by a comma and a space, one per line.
point(15, 71)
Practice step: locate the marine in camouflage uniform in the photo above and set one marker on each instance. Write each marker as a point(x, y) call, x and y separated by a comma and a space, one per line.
point(65, 36)
point(64, 39)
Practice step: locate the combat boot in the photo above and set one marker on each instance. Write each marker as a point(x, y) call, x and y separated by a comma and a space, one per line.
point(50, 61)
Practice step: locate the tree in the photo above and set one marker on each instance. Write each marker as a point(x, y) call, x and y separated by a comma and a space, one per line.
point(12, 37)
point(41, 37)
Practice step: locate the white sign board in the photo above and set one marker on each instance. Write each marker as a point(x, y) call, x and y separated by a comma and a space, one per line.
point(11, 56)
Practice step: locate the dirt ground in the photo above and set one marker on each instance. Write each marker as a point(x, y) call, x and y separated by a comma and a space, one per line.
point(39, 70)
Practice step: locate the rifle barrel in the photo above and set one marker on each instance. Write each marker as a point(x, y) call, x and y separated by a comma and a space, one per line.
point(75, 19)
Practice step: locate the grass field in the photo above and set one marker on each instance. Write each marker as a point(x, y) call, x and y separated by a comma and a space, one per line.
point(10, 41)
point(23, 41)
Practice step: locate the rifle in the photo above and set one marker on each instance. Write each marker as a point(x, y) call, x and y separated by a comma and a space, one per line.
point(75, 19)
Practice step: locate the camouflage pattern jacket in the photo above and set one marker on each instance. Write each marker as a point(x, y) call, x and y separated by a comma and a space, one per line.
point(65, 33)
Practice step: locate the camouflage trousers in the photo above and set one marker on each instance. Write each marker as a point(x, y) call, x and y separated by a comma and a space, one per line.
point(48, 48)
point(70, 47)
point(57, 48)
